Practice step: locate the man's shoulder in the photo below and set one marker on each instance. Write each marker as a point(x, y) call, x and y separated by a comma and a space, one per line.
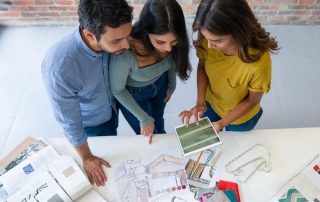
point(61, 52)
point(64, 46)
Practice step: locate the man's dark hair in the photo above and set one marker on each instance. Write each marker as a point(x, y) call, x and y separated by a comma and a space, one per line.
point(95, 15)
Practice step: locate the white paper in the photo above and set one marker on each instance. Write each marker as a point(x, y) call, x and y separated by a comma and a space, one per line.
point(42, 188)
point(70, 176)
point(91, 195)
point(155, 177)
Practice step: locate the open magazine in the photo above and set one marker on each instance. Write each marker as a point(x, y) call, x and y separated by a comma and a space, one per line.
point(47, 176)
point(25, 149)
point(304, 186)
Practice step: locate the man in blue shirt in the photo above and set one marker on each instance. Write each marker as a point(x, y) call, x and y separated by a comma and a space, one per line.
point(74, 71)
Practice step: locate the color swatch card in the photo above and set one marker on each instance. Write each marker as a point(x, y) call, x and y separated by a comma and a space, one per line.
point(305, 186)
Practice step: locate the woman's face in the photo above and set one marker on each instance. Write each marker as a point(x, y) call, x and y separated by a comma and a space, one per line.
point(164, 43)
point(224, 43)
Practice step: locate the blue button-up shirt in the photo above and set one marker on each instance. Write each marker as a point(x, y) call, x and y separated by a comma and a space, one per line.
point(77, 83)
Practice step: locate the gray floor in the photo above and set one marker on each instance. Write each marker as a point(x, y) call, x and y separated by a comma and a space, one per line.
point(294, 100)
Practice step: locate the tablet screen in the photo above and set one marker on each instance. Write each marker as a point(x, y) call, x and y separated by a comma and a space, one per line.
point(197, 137)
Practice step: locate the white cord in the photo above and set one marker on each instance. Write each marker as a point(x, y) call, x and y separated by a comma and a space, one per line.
point(262, 162)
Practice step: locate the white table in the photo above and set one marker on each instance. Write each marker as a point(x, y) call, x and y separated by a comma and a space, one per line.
point(290, 149)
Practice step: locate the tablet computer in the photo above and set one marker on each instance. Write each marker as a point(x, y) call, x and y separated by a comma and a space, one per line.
point(197, 137)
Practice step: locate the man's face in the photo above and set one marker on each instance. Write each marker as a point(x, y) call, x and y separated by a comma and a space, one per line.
point(115, 40)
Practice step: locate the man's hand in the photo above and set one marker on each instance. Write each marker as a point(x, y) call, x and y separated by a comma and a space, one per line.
point(93, 168)
point(92, 165)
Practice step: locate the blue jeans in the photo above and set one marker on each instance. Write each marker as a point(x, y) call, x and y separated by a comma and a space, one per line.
point(249, 125)
point(108, 128)
point(151, 99)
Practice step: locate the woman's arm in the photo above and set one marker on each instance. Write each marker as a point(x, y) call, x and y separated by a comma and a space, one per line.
point(202, 84)
point(240, 110)
point(119, 72)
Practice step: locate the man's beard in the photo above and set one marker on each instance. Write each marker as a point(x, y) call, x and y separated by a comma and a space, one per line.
point(119, 52)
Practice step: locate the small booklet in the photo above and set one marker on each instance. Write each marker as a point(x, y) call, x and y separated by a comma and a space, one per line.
point(61, 181)
point(198, 136)
point(304, 186)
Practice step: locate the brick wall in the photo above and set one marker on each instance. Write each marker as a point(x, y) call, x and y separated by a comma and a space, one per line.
point(64, 12)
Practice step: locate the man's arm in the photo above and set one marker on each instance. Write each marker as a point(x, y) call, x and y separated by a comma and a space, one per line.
point(62, 91)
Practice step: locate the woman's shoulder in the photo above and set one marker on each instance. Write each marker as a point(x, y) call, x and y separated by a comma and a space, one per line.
point(263, 63)
point(125, 60)
point(127, 54)
point(264, 56)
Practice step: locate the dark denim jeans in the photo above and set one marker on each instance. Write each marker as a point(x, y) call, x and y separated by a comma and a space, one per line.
point(249, 125)
point(108, 128)
point(151, 99)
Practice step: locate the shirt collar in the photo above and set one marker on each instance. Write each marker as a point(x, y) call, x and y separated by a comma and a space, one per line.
point(83, 46)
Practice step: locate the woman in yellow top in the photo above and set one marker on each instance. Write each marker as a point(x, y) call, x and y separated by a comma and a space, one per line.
point(234, 68)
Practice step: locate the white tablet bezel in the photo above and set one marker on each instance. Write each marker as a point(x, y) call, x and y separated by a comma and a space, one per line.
point(206, 120)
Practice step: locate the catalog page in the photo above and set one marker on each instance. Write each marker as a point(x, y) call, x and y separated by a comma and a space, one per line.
point(305, 186)
point(42, 188)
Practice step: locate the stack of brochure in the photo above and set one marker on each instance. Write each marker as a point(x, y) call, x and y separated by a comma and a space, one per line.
point(34, 171)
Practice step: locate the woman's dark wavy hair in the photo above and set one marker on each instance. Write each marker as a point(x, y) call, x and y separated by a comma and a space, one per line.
point(234, 17)
point(161, 17)
point(95, 15)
